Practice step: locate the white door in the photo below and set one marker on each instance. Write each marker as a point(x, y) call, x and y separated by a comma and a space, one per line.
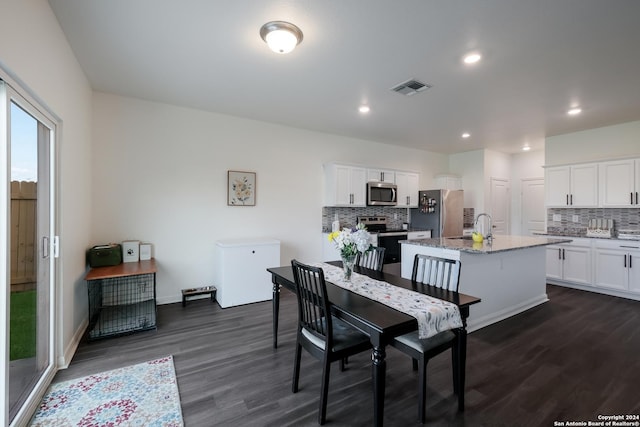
point(27, 300)
point(584, 185)
point(554, 262)
point(617, 183)
point(577, 264)
point(533, 211)
point(500, 201)
point(611, 269)
point(633, 266)
point(557, 186)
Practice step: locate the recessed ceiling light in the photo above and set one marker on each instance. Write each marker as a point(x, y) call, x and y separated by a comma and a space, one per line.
point(574, 111)
point(526, 148)
point(472, 58)
point(466, 135)
point(364, 109)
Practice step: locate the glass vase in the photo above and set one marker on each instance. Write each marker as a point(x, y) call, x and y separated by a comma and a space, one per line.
point(348, 261)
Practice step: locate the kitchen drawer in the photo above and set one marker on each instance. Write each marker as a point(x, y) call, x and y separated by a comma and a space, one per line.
point(413, 235)
point(616, 244)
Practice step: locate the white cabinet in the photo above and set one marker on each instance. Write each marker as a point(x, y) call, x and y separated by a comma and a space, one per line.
point(448, 182)
point(575, 186)
point(570, 261)
point(408, 188)
point(345, 185)
point(240, 270)
point(381, 175)
point(617, 265)
point(620, 183)
point(414, 235)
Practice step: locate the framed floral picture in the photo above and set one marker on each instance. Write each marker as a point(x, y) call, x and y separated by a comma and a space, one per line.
point(241, 188)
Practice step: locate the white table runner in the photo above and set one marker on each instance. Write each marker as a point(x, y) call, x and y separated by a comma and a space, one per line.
point(433, 315)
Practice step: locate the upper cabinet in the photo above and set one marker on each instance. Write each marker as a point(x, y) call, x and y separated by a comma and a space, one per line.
point(408, 189)
point(620, 183)
point(345, 185)
point(572, 186)
point(448, 182)
point(381, 175)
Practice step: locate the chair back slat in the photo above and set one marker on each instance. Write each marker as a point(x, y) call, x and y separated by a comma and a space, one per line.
point(373, 259)
point(439, 272)
point(313, 305)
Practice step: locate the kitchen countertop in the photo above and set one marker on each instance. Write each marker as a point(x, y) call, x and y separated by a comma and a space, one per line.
point(500, 243)
point(577, 235)
point(410, 230)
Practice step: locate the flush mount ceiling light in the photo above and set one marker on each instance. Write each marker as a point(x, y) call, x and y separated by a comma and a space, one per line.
point(466, 135)
point(364, 109)
point(281, 36)
point(574, 111)
point(526, 148)
point(472, 58)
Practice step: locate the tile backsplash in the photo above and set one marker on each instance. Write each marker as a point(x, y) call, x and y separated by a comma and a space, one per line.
point(347, 216)
point(627, 218)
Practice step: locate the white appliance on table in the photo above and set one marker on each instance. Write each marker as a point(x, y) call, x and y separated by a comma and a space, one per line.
point(240, 270)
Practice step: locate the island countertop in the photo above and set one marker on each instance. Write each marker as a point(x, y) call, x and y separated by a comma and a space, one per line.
point(499, 243)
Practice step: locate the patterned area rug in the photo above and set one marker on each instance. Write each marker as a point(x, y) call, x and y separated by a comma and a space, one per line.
point(145, 394)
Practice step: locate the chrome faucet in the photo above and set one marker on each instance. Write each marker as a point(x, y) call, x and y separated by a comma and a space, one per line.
point(489, 236)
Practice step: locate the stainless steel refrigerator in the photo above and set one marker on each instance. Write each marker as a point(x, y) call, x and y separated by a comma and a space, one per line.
point(441, 211)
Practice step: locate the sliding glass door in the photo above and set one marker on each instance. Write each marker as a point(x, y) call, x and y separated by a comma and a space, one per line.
point(27, 300)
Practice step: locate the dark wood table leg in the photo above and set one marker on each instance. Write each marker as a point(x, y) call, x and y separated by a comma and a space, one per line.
point(462, 358)
point(379, 368)
point(276, 310)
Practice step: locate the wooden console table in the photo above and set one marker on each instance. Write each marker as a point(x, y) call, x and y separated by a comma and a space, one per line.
point(122, 298)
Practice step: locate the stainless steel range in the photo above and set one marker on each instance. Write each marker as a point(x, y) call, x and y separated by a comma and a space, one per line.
point(387, 238)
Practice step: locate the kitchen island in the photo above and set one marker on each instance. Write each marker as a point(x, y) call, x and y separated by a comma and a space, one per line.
point(508, 273)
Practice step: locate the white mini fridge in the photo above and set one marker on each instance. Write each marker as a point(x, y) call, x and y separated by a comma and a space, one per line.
point(240, 270)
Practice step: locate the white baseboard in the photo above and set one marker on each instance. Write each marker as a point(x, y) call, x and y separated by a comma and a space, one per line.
point(604, 291)
point(65, 359)
point(489, 319)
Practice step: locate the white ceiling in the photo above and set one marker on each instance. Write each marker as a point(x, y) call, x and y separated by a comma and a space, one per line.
point(539, 58)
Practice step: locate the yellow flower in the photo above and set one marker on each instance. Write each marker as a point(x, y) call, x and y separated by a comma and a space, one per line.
point(333, 235)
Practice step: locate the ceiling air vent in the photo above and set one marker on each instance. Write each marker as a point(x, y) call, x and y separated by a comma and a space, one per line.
point(410, 87)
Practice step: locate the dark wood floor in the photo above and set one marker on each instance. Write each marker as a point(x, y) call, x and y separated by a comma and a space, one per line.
point(570, 359)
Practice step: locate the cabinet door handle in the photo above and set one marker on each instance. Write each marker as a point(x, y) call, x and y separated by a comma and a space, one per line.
point(636, 197)
point(625, 261)
point(567, 200)
point(559, 253)
point(571, 199)
point(631, 195)
point(563, 258)
point(630, 260)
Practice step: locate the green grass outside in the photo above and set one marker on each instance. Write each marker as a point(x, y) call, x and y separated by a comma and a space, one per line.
point(23, 325)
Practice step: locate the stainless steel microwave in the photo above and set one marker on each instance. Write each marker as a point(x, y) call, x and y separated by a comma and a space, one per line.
point(381, 194)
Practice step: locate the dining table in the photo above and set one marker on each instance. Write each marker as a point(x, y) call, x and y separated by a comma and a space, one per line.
point(379, 321)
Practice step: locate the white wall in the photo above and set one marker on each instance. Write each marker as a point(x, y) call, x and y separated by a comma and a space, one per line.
point(160, 174)
point(594, 144)
point(34, 48)
point(470, 166)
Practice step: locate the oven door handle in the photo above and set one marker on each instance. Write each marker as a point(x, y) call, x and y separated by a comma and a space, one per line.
point(393, 234)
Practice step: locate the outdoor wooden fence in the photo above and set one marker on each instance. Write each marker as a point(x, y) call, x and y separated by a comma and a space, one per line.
point(23, 235)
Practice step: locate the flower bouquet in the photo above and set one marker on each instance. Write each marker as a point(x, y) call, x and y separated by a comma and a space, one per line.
point(349, 242)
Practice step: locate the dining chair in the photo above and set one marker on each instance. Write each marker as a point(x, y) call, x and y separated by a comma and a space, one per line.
point(373, 259)
point(324, 336)
point(445, 274)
